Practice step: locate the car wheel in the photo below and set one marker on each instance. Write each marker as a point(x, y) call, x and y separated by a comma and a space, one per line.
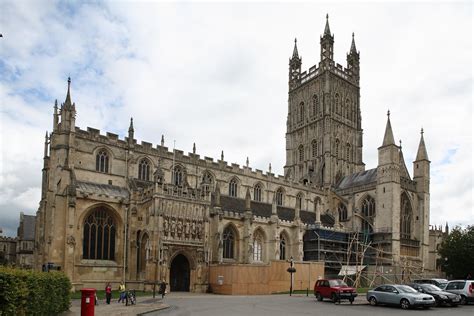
point(334, 298)
point(373, 301)
point(351, 300)
point(404, 304)
point(319, 297)
point(463, 300)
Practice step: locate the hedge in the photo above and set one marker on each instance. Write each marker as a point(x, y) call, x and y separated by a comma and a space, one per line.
point(26, 292)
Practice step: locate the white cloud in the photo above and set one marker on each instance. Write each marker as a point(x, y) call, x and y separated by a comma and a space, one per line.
point(216, 74)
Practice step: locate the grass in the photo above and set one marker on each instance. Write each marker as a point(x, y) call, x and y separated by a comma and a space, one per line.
point(115, 294)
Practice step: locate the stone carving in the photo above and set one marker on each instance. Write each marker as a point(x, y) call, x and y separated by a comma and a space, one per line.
point(183, 229)
point(71, 241)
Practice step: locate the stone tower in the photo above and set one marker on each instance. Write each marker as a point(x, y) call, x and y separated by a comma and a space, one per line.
point(324, 133)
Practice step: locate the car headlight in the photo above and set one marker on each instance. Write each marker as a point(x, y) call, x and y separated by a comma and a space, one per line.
point(443, 297)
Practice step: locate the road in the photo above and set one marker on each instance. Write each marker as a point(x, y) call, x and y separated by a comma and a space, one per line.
point(283, 305)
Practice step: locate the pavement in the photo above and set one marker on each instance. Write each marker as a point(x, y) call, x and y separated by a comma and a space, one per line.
point(145, 305)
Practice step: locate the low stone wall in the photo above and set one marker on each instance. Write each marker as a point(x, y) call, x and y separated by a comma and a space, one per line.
point(251, 279)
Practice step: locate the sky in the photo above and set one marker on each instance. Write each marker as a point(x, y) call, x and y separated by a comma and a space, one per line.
point(217, 74)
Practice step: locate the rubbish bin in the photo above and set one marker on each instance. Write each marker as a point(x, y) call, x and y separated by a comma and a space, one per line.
point(87, 302)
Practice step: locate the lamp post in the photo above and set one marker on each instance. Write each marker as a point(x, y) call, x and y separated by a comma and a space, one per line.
point(291, 270)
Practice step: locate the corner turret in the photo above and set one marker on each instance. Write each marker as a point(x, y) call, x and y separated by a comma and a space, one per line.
point(327, 44)
point(353, 63)
point(294, 73)
point(421, 167)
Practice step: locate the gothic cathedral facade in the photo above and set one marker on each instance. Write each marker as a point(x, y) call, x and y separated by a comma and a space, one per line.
point(114, 209)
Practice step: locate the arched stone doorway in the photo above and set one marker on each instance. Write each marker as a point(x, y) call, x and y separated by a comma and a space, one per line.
point(180, 274)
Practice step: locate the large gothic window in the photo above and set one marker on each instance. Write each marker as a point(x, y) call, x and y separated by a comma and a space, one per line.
point(405, 218)
point(368, 214)
point(282, 247)
point(336, 103)
point(102, 161)
point(257, 247)
point(342, 210)
point(257, 192)
point(233, 188)
point(177, 176)
point(144, 170)
point(228, 240)
point(301, 153)
point(99, 236)
point(314, 146)
point(279, 197)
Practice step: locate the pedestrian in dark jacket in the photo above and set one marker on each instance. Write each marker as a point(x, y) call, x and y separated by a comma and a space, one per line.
point(162, 290)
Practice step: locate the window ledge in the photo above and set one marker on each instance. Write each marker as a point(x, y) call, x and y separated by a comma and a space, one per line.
point(98, 263)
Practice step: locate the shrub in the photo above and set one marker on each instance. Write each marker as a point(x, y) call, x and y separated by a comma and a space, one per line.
point(25, 292)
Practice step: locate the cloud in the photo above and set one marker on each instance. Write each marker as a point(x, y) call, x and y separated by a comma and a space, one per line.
point(216, 74)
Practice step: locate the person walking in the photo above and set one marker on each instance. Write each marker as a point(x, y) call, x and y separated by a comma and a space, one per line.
point(122, 292)
point(162, 289)
point(108, 292)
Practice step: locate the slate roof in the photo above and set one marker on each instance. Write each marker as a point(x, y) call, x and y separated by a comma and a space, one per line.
point(104, 189)
point(261, 209)
point(357, 179)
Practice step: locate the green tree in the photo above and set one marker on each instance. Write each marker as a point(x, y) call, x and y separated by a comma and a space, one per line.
point(457, 253)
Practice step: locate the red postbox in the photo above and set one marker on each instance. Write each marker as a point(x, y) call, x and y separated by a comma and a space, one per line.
point(87, 302)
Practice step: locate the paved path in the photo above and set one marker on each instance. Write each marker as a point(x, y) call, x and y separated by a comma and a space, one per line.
point(144, 304)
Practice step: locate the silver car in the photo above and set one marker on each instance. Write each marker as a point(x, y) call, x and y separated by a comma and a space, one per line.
point(400, 295)
point(465, 288)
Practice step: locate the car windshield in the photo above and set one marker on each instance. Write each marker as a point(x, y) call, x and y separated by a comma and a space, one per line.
point(337, 283)
point(430, 287)
point(406, 289)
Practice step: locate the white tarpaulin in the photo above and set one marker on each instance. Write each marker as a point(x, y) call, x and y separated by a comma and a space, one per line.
point(350, 270)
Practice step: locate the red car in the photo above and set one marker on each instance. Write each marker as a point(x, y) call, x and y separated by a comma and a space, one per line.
point(334, 289)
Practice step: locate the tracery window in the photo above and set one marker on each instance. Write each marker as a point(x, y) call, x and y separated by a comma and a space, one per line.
point(257, 247)
point(102, 161)
point(279, 197)
point(177, 176)
point(337, 148)
point(368, 213)
point(348, 109)
point(233, 188)
point(301, 153)
point(207, 181)
point(299, 200)
point(257, 192)
point(282, 247)
point(99, 236)
point(336, 103)
point(144, 170)
point(301, 112)
point(315, 104)
point(348, 152)
point(314, 146)
point(342, 210)
point(405, 218)
point(228, 243)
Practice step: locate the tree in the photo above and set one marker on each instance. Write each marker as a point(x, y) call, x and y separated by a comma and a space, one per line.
point(457, 253)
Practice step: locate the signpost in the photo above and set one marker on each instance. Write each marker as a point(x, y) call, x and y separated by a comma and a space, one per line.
point(291, 270)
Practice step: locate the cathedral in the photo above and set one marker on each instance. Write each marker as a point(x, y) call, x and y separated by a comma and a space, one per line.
point(117, 209)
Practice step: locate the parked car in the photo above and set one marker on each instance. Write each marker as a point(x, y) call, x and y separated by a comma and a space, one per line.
point(334, 289)
point(441, 283)
point(399, 295)
point(465, 288)
point(441, 297)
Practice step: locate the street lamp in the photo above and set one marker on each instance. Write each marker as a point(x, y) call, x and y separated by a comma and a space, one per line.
point(291, 270)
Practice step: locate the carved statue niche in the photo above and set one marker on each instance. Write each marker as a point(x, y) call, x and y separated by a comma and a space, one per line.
point(186, 229)
point(173, 227)
point(199, 230)
point(193, 229)
point(180, 228)
point(166, 226)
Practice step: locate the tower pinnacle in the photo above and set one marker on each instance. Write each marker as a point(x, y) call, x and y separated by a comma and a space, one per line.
point(295, 51)
point(388, 137)
point(327, 31)
point(353, 46)
point(68, 96)
point(421, 154)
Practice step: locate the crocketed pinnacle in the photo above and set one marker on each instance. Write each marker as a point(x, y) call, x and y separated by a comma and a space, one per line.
point(327, 31)
point(295, 51)
point(353, 45)
point(68, 96)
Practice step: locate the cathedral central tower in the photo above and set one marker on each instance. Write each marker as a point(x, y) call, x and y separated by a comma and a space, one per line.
point(324, 132)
